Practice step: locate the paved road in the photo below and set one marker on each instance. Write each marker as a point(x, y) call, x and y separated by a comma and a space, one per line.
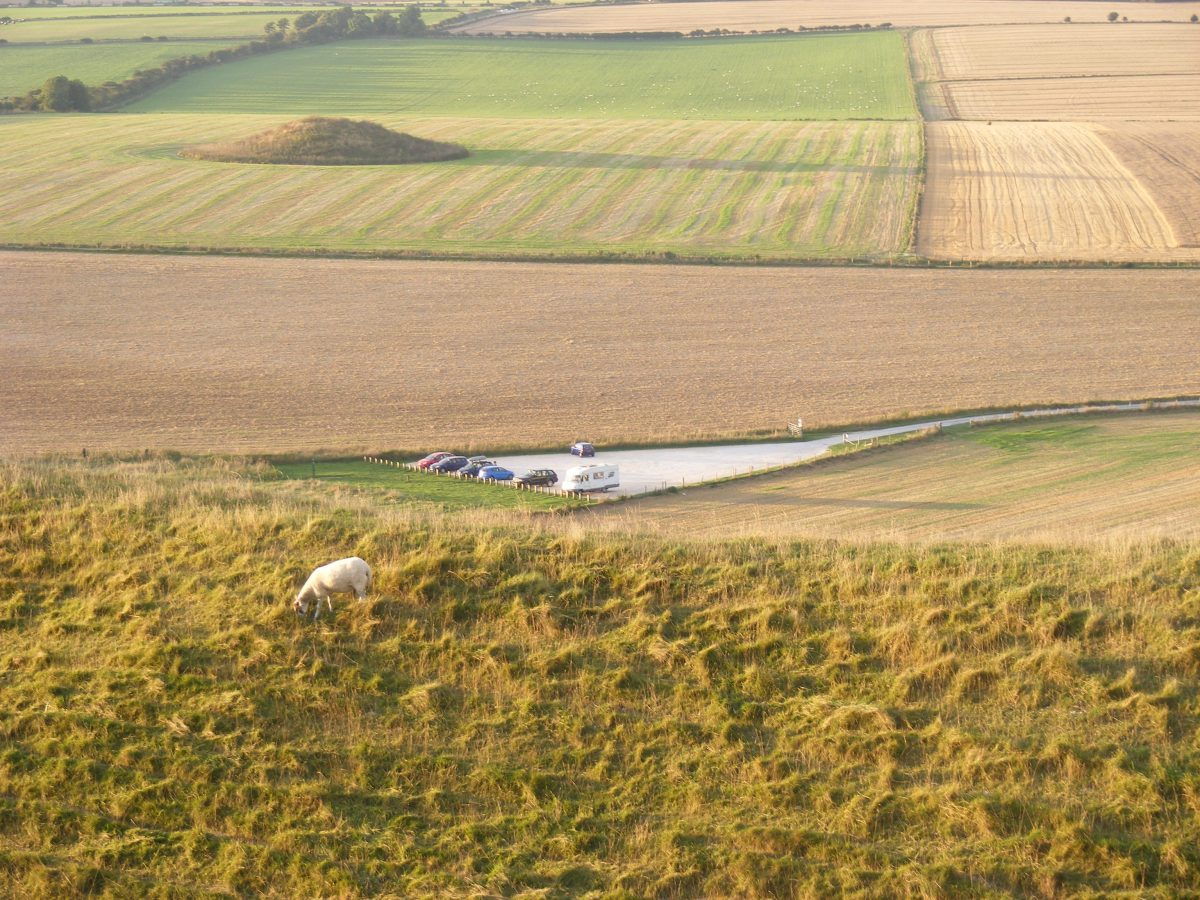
point(657, 468)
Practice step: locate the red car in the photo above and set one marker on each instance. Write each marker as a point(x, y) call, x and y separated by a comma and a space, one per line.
point(432, 458)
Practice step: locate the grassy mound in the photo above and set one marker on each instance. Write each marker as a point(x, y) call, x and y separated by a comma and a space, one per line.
point(518, 710)
point(323, 141)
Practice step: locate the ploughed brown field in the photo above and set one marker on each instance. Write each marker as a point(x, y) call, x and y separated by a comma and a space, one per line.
point(745, 15)
point(251, 354)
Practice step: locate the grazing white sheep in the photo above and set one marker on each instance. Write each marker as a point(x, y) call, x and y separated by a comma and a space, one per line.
point(341, 577)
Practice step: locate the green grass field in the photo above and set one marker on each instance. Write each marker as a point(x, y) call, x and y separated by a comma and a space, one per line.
point(544, 186)
point(860, 76)
point(408, 487)
point(693, 149)
point(25, 68)
point(531, 711)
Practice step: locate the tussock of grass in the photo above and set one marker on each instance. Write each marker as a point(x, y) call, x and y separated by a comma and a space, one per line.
point(522, 709)
point(324, 141)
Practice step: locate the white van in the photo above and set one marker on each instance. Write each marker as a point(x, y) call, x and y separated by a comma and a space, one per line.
point(593, 477)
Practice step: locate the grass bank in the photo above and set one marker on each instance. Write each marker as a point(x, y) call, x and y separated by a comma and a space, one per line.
point(520, 709)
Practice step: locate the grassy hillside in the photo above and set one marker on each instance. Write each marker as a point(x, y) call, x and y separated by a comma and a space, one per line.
point(519, 710)
point(1082, 478)
point(860, 76)
point(25, 68)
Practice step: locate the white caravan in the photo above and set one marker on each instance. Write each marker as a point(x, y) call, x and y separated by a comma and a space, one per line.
point(592, 477)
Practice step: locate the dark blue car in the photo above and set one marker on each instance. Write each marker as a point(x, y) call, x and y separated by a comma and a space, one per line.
point(582, 448)
point(449, 464)
point(495, 473)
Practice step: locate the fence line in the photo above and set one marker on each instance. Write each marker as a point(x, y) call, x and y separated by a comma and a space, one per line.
point(511, 483)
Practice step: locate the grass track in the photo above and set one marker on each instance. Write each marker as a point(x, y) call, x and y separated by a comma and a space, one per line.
point(1086, 478)
point(858, 76)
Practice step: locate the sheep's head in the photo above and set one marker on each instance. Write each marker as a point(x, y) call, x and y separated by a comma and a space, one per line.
point(302, 602)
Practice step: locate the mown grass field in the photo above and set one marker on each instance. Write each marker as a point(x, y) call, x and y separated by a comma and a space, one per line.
point(404, 486)
point(24, 68)
point(544, 186)
point(689, 150)
point(861, 76)
point(531, 710)
point(1127, 476)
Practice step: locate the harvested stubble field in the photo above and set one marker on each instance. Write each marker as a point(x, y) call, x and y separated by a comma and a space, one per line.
point(542, 186)
point(1121, 477)
point(1166, 159)
point(225, 354)
point(1085, 99)
point(1038, 191)
point(1061, 50)
point(24, 68)
point(763, 15)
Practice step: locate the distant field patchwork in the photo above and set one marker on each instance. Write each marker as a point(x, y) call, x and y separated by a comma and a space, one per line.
point(819, 77)
point(744, 15)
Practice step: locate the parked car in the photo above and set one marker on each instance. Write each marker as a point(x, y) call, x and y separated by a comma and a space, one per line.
point(474, 465)
point(538, 478)
point(427, 461)
point(477, 459)
point(592, 477)
point(582, 448)
point(449, 464)
point(495, 473)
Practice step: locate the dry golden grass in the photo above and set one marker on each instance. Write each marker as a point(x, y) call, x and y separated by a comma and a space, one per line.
point(745, 15)
point(1055, 51)
point(1036, 191)
point(1113, 477)
point(1166, 159)
point(225, 354)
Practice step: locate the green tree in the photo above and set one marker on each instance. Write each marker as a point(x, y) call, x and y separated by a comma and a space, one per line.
point(79, 97)
point(411, 23)
point(1112, 16)
point(56, 94)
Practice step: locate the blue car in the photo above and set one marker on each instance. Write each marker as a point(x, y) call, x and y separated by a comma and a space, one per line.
point(582, 448)
point(471, 470)
point(449, 464)
point(495, 473)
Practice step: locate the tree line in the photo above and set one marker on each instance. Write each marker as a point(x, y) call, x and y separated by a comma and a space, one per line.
point(63, 94)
